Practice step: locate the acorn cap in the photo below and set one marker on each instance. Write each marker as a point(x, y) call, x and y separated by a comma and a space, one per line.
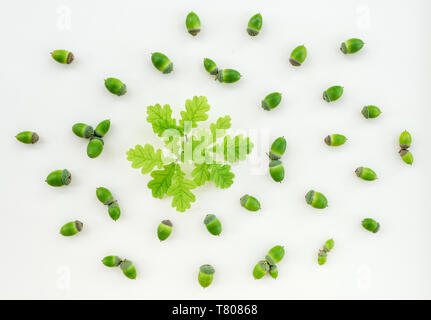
point(207, 269)
point(167, 222)
point(78, 225)
point(209, 218)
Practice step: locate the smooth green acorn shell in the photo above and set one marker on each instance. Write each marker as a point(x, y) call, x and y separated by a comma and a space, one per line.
point(104, 195)
point(329, 245)
point(298, 55)
point(406, 156)
point(71, 228)
point(210, 66)
point(333, 93)
point(162, 62)
point(206, 275)
point(114, 211)
point(59, 178)
point(316, 199)
point(273, 271)
point(116, 86)
point(351, 46)
point(275, 255)
point(276, 170)
point(27, 137)
point(111, 261)
point(82, 130)
point(228, 76)
point(193, 23)
point(254, 25)
point(62, 56)
point(164, 230)
point(271, 101)
point(335, 140)
point(371, 225)
point(261, 268)
point(370, 112)
point(250, 203)
point(366, 174)
point(278, 148)
point(128, 269)
point(405, 140)
point(95, 147)
point(213, 224)
point(102, 128)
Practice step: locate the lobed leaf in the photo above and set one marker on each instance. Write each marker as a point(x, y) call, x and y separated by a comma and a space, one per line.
point(161, 118)
point(221, 175)
point(180, 190)
point(145, 158)
point(162, 180)
point(196, 110)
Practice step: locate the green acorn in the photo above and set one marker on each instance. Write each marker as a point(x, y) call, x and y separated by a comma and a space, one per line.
point(59, 178)
point(71, 228)
point(276, 170)
point(371, 225)
point(128, 269)
point(206, 275)
point(406, 156)
point(298, 55)
point(115, 86)
point(193, 24)
point(27, 137)
point(366, 174)
point(316, 199)
point(261, 268)
point(62, 56)
point(271, 101)
point(164, 230)
point(95, 147)
point(333, 93)
point(273, 271)
point(370, 112)
point(278, 148)
point(405, 140)
point(351, 46)
point(228, 75)
point(83, 130)
point(162, 62)
point(114, 211)
point(111, 261)
point(210, 66)
point(102, 128)
point(213, 224)
point(254, 25)
point(335, 140)
point(322, 255)
point(275, 255)
point(104, 195)
point(250, 203)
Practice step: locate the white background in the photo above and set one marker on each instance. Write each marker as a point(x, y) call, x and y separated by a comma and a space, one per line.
point(116, 38)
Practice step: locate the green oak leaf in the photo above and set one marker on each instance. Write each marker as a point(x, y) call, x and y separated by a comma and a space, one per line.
point(196, 110)
point(162, 180)
point(180, 190)
point(145, 158)
point(222, 124)
point(201, 173)
point(221, 175)
point(236, 148)
point(161, 118)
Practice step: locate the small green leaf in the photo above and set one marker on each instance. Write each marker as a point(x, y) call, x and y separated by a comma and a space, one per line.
point(236, 148)
point(162, 180)
point(201, 173)
point(145, 158)
point(222, 124)
point(196, 110)
point(221, 175)
point(180, 190)
point(161, 118)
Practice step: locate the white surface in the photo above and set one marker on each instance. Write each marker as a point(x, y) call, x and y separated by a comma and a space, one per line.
point(112, 38)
